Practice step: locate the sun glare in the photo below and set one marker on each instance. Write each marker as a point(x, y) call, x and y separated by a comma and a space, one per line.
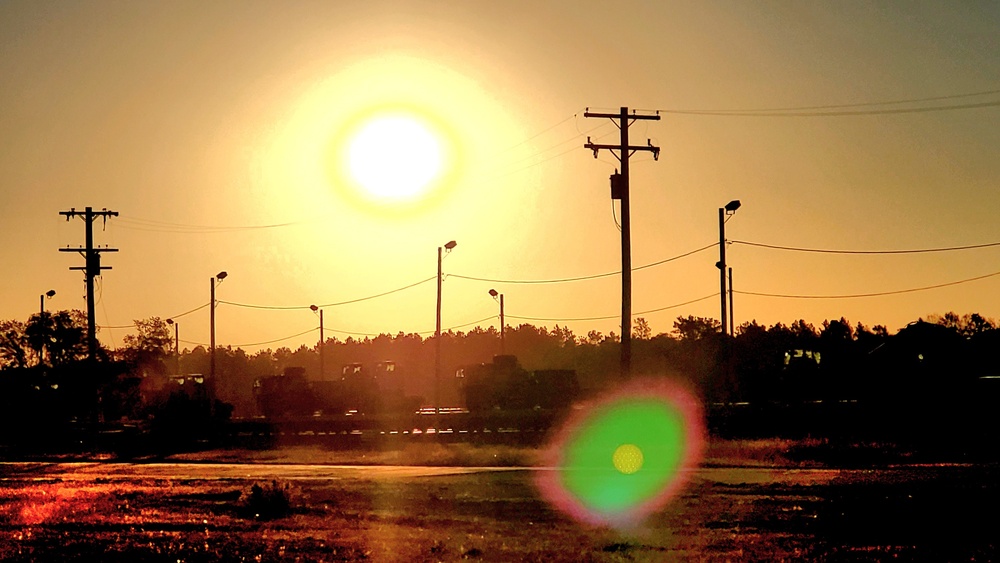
point(394, 157)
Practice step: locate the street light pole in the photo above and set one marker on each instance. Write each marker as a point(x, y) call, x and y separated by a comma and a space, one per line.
point(503, 326)
point(322, 342)
point(211, 354)
point(732, 330)
point(177, 345)
point(41, 300)
point(437, 331)
point(724, 214)
point(722, 265)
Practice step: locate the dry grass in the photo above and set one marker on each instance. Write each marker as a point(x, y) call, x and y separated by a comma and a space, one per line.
point(497, 516)
point(733, 453)
point(426, 454)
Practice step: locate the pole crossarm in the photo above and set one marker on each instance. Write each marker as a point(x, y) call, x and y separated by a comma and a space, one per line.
point(631, 117)
point(632, 149)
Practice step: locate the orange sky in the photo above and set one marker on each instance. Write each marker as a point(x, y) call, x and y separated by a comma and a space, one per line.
point(186, 117)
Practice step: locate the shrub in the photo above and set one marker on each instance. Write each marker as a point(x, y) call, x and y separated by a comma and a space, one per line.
point(268, 502)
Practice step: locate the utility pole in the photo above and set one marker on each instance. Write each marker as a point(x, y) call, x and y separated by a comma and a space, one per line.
point(724, 214)
point(503, 346)
point(448, 247)
point(722, 266)
point(620, 190)
point(92, 269)
point(322, 342)
point(732, 329)
point(215, 281)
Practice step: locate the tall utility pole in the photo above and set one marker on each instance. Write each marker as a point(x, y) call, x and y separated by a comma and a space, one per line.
point(92, 269)
point(322, 342)
point(724, 214)
point(449, 246)
point(620, 190)
point(722, 267)
point(211, 353)
point(503, 345)
point(732, 328)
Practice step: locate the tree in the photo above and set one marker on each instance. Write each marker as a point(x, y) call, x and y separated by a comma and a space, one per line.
point(695, 328)
point(57, 338)
point(593, 338)
point(14, 348)
point(153, 336)
point(150, 345)
point(641, 330)
point(976, 324)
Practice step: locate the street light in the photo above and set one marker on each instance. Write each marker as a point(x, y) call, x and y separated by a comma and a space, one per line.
point(322, 342)
point(177, 345)
point(503, 347)
point(724, 214)
point(41, 299)
point(211, 355)
point(449, 246)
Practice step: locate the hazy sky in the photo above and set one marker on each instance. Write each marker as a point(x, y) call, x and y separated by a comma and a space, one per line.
point(197, 121)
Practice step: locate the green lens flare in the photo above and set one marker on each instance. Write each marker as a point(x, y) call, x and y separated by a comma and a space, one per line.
point(624, 455)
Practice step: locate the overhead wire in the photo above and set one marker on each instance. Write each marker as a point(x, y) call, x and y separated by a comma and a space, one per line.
point(834, 106)
point(609, 317)
point(140, 224)
point(198, 308)
point(836, 113)
point(877, 294)
point(582, 278)
point(542, 132)
point(543, 151)
point(335, 304)
point(832, 251)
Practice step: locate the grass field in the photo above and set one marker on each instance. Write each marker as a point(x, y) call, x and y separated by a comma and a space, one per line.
point(749, 502)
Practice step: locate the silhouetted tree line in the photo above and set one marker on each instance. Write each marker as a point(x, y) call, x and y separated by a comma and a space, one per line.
point(46, 381)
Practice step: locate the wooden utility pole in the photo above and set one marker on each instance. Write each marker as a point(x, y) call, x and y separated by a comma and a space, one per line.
point(92, 269)
point(620, 190)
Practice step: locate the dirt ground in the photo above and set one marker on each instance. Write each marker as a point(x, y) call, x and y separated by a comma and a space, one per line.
point(208, 511)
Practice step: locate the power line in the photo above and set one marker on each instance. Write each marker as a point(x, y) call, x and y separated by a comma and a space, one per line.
point(457, 326)
point(276, 340)
point(543, 151)
point(609, 317)
point(168, 227)
point(582, 278)
point(836, 113)
point(198, 308)
point(831, 251)
point(253, 343)
point(879, 294)
point(292, 307)
point(837, 106)
point(542, 132)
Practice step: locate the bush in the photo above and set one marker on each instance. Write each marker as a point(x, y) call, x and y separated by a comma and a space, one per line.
point(268, 502)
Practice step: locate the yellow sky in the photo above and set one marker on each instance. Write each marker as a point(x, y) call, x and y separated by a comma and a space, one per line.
point(186, 117)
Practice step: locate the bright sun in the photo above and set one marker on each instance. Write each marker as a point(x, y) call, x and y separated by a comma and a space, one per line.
point(394, 157)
